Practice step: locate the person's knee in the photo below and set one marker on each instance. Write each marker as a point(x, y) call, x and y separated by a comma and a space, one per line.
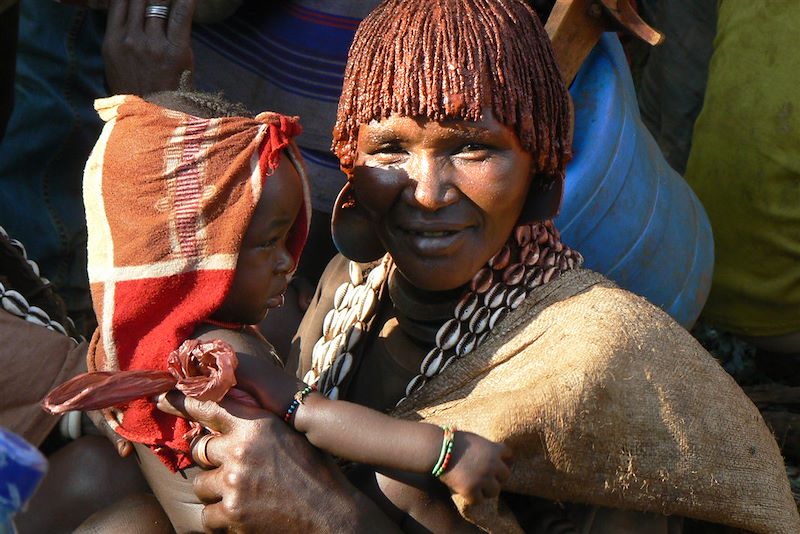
point(136, 514)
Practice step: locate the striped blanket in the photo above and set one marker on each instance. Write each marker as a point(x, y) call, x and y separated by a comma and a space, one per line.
point(168, 199)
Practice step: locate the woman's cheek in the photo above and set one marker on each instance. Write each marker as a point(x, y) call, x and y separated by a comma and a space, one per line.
point(377, 188)
point(493, 184)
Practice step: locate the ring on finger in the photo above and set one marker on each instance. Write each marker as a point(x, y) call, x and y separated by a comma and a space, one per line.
point(156, 11)
point(200, 451)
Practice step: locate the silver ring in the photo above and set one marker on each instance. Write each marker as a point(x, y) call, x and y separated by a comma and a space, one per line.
point(156, 11)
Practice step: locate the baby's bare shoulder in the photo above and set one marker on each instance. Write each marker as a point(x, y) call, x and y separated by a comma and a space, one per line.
point(245, 342)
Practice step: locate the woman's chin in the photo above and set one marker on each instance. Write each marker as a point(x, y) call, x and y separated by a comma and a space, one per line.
point(429, 276)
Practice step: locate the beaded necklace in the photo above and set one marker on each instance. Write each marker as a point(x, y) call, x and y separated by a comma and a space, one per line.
point(531, 257)
point(16, 304)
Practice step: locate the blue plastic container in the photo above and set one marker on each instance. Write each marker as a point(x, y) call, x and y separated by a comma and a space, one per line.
point(22, 467)
point(633, 217)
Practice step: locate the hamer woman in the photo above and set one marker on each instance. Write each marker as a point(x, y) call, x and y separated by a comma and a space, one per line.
point(454, 301)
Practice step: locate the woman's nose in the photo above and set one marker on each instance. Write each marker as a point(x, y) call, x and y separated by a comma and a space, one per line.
point(431, 184)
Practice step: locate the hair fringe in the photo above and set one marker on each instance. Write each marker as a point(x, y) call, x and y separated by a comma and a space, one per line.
point(445, 59)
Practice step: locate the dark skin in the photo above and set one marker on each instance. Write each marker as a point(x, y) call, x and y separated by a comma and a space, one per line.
point(420, 171)
point(133, 41)
point(444, 196)
point(351, 431)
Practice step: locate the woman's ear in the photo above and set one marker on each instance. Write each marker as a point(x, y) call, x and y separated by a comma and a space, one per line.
point(544, 199)
point(353, 231)
point(547, 191)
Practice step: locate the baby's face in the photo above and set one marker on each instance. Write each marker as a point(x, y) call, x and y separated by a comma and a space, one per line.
point(265, 264)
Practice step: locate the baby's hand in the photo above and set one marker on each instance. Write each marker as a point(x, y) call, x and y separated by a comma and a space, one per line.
point(478, 467)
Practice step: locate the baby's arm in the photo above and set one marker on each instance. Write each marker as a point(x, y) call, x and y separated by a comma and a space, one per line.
point(477, 468)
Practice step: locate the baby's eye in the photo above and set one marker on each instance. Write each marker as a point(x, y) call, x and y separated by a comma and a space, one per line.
point(270, 243)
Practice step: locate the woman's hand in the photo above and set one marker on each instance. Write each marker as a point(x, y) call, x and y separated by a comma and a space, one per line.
point(479, 468)
point(147, 54)
point(269, 478)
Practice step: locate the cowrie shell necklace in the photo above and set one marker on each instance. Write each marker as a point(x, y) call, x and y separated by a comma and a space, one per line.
point(531, 257)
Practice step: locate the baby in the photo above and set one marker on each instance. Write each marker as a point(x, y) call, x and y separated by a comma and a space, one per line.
point(275, 202)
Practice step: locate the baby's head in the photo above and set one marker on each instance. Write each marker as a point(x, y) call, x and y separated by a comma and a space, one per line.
point(265, 262)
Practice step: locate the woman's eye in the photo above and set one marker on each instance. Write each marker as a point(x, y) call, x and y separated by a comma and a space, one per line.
point(389, 149)
point(474, 151)
point(387, 154)
point(393, 148)
point(474, 147)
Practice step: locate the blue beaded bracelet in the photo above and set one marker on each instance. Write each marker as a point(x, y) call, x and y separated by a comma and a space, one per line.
point(299, 398)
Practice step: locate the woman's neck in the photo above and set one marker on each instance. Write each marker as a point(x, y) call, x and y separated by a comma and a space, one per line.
point(420, 312)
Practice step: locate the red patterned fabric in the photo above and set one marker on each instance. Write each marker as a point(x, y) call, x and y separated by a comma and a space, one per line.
point(168, 199)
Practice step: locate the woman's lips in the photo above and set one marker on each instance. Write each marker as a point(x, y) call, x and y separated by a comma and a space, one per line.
point(433, 241)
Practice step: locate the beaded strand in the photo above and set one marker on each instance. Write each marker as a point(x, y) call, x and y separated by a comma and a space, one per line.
point(299, 398)
point(16, 304)
point(447, 451)
point(532, 256)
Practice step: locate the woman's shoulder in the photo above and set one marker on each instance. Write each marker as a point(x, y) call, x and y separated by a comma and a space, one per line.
point(586, 321)
point(588, 301)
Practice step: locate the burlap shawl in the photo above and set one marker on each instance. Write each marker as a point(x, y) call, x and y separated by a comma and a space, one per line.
point(607, 401)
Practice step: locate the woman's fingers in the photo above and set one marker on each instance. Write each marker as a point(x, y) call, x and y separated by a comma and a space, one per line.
point(215, 516)
point(209, 450)
point(141, 55)
point(156, 16)
point(134, 22)
point(117, 12)
point(207, 413)
point(220, 417)
point(208, 486)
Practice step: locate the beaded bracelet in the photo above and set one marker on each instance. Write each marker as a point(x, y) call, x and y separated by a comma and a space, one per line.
point(447, 451)
point(299, 398)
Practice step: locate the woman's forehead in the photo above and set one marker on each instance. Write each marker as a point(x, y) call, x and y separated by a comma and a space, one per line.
point(399, 125)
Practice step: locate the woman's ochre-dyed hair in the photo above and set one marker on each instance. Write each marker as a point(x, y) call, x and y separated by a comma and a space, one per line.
point(450, 59)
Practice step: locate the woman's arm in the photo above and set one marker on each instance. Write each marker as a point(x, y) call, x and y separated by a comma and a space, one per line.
point(270, 478)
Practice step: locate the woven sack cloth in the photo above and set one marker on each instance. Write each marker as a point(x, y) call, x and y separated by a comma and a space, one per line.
point(607, 401)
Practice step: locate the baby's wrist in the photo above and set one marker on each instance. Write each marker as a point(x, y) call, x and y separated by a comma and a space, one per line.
point(446, 452)
point(297, 413)
point(298, 400)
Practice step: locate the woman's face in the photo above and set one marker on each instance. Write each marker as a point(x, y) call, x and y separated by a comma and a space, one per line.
point(445, 195)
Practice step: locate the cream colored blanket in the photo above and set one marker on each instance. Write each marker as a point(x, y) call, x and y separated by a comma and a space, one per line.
point(607, 401)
